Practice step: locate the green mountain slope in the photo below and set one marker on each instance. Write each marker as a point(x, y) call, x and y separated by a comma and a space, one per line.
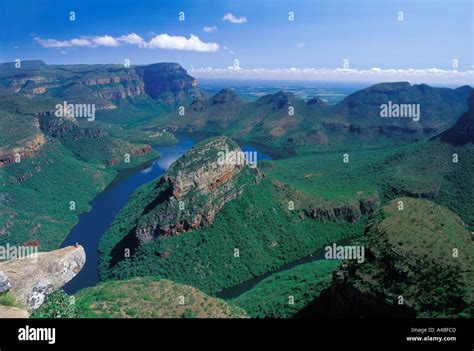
point(282, 120)
point(151, 298)
point(418, 259)
point(284, 294)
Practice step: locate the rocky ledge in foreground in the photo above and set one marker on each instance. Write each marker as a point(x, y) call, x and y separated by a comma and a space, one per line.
point(30, 279)
point(194, 189)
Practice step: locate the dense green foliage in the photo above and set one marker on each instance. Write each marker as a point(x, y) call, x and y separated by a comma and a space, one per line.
point(38, 208)
point(58, 304)
point(427, 170)
point(151, 298)
point(264, 231)
point(284, 294)
point(7, 299)
point(422, 253)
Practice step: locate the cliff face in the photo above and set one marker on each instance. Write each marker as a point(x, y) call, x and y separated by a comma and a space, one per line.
point(30, 279)
point(350, 213)
point(28, 149)
point(194, 189)
point(103, 85)
point(168, 82)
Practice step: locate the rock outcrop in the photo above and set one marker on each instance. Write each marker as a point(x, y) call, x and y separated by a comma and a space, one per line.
point(169, 82)
point(5, 283)
point(350, 212)
point(194, 189)
point(37, 275)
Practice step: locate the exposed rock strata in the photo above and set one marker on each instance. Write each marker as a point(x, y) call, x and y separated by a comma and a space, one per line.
point(195, 188)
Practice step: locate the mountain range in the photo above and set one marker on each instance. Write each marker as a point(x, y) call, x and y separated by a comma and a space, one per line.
point(213, 226)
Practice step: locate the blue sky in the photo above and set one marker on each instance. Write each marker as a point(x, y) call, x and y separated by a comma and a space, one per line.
point(323, 34)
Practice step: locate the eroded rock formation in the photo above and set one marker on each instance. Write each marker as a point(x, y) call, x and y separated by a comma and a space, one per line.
point(195, 188)
point(35, 276)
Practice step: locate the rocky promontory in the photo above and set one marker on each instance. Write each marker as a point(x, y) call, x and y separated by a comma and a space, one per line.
point(194, 189)
point(31, 278)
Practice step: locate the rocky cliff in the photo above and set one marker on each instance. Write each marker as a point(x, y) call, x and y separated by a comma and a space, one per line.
point(103, 85)
point(194, 189)
point(169, 83)
point(30, 279)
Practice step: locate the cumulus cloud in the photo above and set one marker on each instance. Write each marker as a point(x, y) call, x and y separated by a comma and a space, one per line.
point(53, 43)
point(212, 29)
point(131, 38)
point(234, 19)
point(105, 40)
point(428, 75)
point(193, 43)
point(160, 41)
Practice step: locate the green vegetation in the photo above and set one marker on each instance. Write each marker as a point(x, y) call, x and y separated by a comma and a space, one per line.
point(36, 196)
point(264, 231)
point(422, 253)
point(351, 124)
point(61, 161)
point(271, 297)
point(151, 298)
point(7, 299)
point(58, 304)
point(427, 170)
point(410, 251)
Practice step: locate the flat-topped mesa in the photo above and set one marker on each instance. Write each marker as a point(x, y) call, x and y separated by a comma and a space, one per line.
point(194, 189)
point(169, 82)
point(166, 82)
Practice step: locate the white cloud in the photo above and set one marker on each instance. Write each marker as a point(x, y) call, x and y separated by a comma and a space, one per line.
point(160, 41)
point(193, 43)
point(80, 42)
point(53, 43)
point(300, 45)
point(234, 19)
point(105, 40)
point(131, 38)
point(375, 74)
point(212, 29)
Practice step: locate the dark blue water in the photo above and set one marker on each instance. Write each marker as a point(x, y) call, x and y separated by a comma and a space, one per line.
point(260, 155)
point(105, 206)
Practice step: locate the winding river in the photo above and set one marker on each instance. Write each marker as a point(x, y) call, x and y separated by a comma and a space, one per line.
point(107, 204)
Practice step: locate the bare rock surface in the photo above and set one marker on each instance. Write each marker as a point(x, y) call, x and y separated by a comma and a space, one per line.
point(32, 278)
point(13, 312)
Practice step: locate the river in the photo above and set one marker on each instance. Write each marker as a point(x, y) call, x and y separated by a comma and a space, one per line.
point(107, 204)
